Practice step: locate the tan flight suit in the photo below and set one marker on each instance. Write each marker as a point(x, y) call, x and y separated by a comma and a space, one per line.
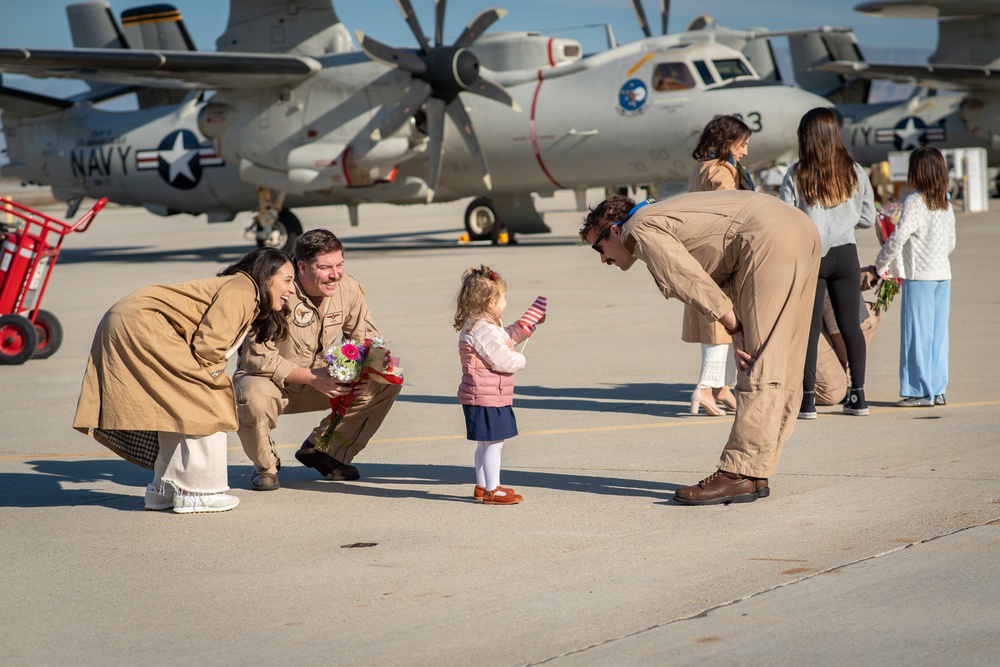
point(831, 376)
point(748, 252)
point(262, 395)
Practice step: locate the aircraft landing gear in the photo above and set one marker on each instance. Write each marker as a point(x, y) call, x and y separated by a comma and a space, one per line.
point(274, 226)
point(481, 219)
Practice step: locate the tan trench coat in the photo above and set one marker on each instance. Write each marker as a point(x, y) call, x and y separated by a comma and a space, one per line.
point(753, 254)
point(706, 176)
point(158, 363)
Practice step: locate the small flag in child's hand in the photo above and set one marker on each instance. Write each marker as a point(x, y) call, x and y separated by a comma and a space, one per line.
point(529, 320)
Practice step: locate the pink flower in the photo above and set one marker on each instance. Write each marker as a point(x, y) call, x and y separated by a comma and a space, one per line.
point(350, 351)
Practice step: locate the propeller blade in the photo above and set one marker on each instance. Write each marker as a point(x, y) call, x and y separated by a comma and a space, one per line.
point(478, 26)
point(460, 117)
point(411, 20)
point(419, 91)
point(495, 92)
point(664, 14)
point(640, 14)
point(435, 133)
point(389, 56)
point(439, 22)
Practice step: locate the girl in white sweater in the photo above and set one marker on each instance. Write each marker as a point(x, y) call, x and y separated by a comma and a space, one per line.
point(917, 251)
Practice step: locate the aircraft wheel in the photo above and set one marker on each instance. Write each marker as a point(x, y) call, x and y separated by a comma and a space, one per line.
point(480, 219)
point(286, 231)
point(18, 340)
point(50, 334)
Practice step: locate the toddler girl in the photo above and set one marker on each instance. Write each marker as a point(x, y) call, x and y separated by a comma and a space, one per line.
point(489, 362)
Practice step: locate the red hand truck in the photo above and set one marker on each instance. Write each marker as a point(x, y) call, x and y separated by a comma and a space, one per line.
point(28, 254)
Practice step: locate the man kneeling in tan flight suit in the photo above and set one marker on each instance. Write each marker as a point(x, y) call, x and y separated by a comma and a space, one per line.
point(291, 376)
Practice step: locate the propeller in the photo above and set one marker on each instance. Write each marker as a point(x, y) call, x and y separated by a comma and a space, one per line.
point(439, 73)
point(640, 14)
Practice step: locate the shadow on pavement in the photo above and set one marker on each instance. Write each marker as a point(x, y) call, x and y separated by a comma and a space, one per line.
point(53, 483)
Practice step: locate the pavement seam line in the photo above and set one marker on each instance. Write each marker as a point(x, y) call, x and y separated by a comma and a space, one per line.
point(722, 605)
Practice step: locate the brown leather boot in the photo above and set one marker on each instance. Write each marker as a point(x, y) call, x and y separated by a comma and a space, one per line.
point(723, 487)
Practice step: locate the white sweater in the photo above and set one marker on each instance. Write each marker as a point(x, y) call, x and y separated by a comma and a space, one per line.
point(922, 241)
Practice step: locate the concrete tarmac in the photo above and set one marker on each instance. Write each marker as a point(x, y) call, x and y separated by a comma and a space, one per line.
point(877, 545)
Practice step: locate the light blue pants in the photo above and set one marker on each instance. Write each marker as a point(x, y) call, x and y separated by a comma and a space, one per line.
point(923, 338)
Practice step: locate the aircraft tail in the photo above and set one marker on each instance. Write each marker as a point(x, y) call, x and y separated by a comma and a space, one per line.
point(305, 27)
point(154, 27)
point(811, 49)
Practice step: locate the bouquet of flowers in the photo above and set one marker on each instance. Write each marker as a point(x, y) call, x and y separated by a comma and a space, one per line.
point(887, 290)
point(885, 225)
point(352, 362)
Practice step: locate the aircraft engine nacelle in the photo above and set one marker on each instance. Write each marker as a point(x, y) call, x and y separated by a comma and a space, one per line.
point(214, 119)
point(506, 51)
point(327, 166)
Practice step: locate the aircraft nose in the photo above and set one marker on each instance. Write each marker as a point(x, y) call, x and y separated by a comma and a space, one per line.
point(797, 103)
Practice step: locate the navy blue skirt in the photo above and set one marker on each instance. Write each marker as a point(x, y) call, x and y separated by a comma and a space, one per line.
point(489, 423)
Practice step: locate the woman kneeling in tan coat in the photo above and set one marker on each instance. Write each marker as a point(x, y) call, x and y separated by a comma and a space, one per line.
point(156, 392)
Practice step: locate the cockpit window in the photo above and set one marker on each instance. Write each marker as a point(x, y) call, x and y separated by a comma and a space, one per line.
point(672, 76)
point(730, 69)
point(706, 74)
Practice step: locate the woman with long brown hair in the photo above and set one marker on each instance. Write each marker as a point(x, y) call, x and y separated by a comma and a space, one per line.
point(835, 193)
point(156, 391)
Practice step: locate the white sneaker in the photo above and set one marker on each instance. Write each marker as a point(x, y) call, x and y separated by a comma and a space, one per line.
point(159, 501)
point(186, 503)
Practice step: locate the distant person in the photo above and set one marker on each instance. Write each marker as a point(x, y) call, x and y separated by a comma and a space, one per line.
point(836, 194)
point(917, 251)
point(723, 143)
point(489, 362)
point(156, 392)
point(291, 376)
point(750, 262)
point(832, 366)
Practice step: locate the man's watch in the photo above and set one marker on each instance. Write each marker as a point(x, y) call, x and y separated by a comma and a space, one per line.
point(738, 329)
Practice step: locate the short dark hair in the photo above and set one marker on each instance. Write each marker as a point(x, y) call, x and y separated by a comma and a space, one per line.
point(316, 242)
point(608, 212)
point(928, 174)
point(718, 137)
point(261, 265)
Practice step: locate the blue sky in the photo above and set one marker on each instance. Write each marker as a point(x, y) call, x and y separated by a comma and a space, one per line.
point(42, 23)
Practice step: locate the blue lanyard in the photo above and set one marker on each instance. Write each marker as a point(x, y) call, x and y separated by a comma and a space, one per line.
point(634, 209)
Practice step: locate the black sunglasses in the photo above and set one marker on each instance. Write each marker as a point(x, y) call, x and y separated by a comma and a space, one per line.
point(600, 237)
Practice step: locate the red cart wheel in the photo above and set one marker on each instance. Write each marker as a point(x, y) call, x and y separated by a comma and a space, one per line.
point(18, 340)
point(50, 334)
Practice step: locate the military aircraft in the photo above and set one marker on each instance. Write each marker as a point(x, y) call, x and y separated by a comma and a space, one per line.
point(967, 60)
point(286, 114)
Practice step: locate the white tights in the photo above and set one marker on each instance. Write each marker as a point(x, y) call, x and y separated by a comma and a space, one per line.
point(488, 464)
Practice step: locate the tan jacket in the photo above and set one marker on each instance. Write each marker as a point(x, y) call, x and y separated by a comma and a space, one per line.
point(159, 357)
point(713, 175)
point(312, 331)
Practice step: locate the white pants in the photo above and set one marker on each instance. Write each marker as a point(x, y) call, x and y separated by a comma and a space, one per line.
point(191, 464)
point(718, 366)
